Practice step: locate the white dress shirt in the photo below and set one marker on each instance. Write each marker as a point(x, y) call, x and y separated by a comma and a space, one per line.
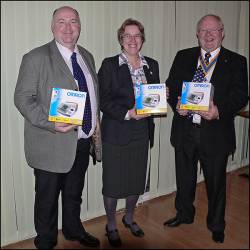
point(213, 55)
point(196, 117)
point(66, 54)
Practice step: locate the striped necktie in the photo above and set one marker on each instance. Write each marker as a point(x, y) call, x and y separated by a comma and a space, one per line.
point(199, 75)
point(82, 84)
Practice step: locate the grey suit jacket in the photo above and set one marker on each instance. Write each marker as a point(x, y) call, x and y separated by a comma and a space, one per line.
point(42, 69)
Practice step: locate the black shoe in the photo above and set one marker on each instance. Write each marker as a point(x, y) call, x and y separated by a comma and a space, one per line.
point(134, 228)
point(175, 222)
point(85, 239)
point(44, 244)
point(218, 237)
point(113, 237)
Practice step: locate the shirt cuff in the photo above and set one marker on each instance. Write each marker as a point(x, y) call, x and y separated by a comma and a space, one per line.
point(127, 116)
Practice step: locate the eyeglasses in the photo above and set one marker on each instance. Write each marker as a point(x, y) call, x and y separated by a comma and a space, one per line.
point(213, 32)
point(130, 37)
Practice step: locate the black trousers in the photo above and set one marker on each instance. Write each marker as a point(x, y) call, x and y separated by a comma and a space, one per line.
point(214, 170)
point(48, 186)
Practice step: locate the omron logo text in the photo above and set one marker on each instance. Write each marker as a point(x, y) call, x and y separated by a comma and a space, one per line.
point(75, 94)
point(201, 85)
point(155, 87)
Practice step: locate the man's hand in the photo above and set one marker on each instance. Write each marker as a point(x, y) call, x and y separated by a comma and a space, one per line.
point(182, 112)
point(64, 127)
point(167, 92)
point(211, 114)
point(133, 115)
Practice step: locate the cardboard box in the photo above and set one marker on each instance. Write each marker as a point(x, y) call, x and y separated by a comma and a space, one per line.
point(67, 106)
point(151, 98)
point(196, 95)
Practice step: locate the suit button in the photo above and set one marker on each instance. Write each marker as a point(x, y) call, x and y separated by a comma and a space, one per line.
point(75, 129)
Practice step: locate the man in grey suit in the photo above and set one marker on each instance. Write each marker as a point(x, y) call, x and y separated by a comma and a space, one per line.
point(58, 152)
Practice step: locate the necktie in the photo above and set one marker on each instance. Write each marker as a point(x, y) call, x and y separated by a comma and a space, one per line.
point(207, 56)
point(82, 83)
point(199, 75)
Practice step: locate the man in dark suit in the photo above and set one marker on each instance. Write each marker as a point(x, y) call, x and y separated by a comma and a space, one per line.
point(58, 152)
point(206, 136)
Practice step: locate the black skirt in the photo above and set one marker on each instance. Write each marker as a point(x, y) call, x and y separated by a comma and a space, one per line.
point(125, 166)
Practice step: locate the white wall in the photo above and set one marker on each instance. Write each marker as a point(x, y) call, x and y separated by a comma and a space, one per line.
point(169, 26)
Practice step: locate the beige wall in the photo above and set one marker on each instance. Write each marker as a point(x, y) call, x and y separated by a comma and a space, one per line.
point(169, 26)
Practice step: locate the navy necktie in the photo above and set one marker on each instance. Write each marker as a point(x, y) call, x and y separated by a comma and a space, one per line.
point(207, 56)
point(82, 84)
point(199, 75)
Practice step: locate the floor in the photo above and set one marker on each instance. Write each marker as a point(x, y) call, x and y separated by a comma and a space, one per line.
point(151, 215)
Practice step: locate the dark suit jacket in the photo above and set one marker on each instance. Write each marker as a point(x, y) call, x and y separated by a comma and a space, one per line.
point(117, 97)
point(230, 83)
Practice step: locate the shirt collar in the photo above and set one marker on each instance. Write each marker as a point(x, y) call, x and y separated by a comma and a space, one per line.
point(213, 53)
point(123, 59)
point(67, 53)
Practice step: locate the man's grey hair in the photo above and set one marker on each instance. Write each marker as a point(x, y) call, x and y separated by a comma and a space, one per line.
point(209, 15)
point(76, 12)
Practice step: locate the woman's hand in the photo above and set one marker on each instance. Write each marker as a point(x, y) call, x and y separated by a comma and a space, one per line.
point(133, 115)
point(167, 92)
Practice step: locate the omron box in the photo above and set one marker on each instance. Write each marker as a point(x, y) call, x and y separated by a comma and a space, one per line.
point(196, 95)
point(150, 98)
point(67, 106)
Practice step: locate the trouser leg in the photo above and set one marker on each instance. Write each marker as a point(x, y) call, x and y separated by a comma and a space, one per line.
point(73, 184)
point(47, 189)
point(214, 169)
point(186, 178)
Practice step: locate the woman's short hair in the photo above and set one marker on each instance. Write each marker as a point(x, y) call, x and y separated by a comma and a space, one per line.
point(127, 22)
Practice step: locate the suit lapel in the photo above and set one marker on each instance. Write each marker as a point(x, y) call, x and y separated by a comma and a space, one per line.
point(148, 74)
point(124, 75)
point(194, 63)
point(59, 61)
point(89, 66)
point(220, 67)
point(91, 70)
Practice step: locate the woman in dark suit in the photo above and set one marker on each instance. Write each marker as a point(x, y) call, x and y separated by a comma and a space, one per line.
point(125, 134)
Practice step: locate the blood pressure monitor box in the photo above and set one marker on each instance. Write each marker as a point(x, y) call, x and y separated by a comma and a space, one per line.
point(151, 98)
point(67, 106)
point(196, 95)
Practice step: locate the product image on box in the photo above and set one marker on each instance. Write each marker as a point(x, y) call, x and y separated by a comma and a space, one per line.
point(67, 108)
point(151, 100)
point(195, 97)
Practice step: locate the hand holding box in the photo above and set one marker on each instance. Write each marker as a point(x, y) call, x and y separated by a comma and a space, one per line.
point(151, 98)
point(67, 106)
point(196, 95)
